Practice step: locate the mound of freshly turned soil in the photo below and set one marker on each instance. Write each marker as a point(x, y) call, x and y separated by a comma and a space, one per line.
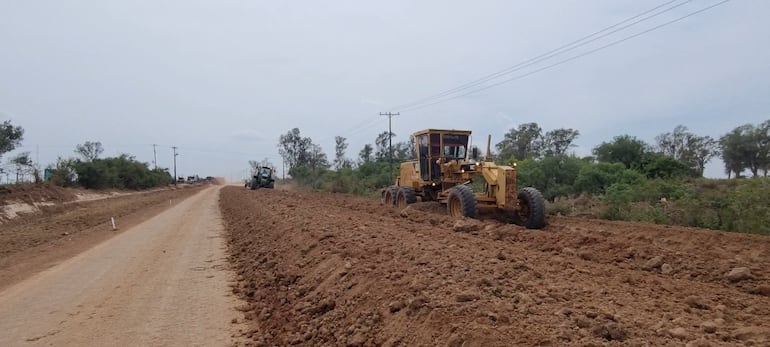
point(31, 193)
point(324, 269)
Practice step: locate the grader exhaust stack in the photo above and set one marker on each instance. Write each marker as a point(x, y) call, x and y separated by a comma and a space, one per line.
point(442, 172)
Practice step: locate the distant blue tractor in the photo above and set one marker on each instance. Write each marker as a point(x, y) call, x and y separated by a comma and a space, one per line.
point(262, 178)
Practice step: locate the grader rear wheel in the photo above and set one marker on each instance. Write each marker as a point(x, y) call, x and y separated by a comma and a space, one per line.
point(461, 202)
point(389, 196)
point(405, 196)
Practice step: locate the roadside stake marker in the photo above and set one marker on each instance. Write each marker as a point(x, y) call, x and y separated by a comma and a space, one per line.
point(113, 223)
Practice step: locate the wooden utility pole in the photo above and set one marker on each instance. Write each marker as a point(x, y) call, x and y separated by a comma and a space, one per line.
point(390, 138)
point(175, 154)
point(154, 156)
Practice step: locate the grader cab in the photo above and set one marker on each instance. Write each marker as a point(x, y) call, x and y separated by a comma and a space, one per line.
point(444, 171)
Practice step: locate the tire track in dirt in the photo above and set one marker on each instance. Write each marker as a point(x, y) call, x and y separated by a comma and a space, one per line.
point(331, 269)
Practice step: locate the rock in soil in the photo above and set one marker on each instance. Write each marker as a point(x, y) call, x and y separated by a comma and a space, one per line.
point(653, 263)
point(678, 333)
point(739, 274)
point(466, 225)
point(709, 327)
point(696, 302)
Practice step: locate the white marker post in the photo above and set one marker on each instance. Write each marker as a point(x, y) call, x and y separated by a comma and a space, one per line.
point(113, 223)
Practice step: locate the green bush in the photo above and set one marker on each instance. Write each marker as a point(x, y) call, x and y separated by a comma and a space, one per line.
point(750, 206)
point(366, 179)
point(122, 172)
point(63, 173)
point(618, 198)
point(554, 176)
point(597, 178)
point(559, 208)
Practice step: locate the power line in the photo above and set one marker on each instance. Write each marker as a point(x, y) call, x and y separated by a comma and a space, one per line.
point(190, 149)
point(360, 131)
point(585, 40)
point(416, 107)
point(550, 54)
point(366, 124)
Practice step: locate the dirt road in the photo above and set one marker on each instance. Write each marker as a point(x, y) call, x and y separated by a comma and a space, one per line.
point(163, 282)
point(323, 269)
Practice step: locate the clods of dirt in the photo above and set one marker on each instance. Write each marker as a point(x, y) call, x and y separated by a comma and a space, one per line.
point(324, 269)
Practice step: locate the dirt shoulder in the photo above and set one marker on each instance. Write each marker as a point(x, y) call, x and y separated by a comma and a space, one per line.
point(329, 269)
point(34, 242)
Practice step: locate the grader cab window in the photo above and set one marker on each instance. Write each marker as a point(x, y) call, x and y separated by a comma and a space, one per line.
point(422, 149)
point(455, 146)
point(454, 152)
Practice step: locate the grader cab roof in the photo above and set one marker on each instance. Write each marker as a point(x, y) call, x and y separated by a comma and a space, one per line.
point(445, 131)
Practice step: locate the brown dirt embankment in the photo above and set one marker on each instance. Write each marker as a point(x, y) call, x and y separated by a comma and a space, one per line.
point(323, 269)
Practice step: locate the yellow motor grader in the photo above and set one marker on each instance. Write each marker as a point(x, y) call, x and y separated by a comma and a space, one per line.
point(444, 171)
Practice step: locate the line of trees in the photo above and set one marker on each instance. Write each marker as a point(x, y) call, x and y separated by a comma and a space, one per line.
point(92, 172)
point(679, 153)
point(87, 170)
point(308, 164)
point(745, 148)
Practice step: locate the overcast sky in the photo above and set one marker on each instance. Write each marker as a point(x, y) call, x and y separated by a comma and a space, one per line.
point(223, 79)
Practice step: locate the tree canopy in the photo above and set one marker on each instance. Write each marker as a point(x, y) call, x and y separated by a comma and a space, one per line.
point(624, 149)
point(747, 147)
point(89, 151)
point(10, 137)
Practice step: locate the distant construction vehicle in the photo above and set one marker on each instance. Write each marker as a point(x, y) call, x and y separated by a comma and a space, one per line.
point(443, 171)
point(262, 178)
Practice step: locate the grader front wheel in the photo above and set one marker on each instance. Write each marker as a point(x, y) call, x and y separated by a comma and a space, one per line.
point(461, 202)
point(531, 212)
